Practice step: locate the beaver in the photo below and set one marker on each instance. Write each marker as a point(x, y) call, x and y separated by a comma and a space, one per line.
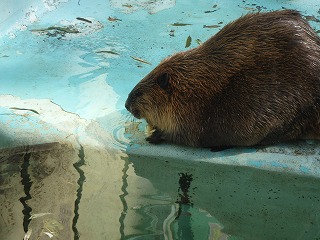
point(255, 82)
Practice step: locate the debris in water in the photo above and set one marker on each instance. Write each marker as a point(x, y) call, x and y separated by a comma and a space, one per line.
point(188, 42)
point(83, 19)
point(107, 51)
point(111, 19)
point(70, 29)
point(50, 235)
point(198, 41)
point(28, 234)
point(25, 109)
point(312, 18)
point(137, 207)
point(210, 11)
point(177, 24)
point(52, 226)
point(140, 60)
point(211, 26)
point(37, 215)
point(59, 29)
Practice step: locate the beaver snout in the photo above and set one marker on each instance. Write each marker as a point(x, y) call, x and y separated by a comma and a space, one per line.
point(128, 104)
point(131, 102)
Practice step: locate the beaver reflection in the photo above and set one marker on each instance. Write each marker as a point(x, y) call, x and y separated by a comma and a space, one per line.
point(184, 201)
point(255, 82)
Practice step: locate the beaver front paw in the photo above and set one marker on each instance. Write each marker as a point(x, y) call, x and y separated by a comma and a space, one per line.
point(155, 138)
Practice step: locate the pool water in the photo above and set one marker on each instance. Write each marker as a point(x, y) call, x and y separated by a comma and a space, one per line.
point(74, 163)
point(98, 194)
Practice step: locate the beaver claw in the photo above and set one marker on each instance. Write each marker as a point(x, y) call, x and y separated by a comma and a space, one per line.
point(155, 137)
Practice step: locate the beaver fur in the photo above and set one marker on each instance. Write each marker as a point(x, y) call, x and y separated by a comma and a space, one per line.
point(256, 82)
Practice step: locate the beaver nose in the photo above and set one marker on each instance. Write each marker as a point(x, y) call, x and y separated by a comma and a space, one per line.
point(127, 104)
point(131, 98)
point(128, 101)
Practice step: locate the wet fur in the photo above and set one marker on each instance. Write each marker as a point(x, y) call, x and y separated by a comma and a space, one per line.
point(255, 82)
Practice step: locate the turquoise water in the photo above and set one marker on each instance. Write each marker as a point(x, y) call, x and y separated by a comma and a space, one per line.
point(74, 163)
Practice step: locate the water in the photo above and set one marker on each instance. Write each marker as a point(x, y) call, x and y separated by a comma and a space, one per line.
point(97, 194)
point(74, 164)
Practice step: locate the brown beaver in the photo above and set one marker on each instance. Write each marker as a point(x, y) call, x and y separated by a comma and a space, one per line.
point(256, 82)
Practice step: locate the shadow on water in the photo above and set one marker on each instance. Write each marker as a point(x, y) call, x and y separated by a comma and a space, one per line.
point(247, 203)
point(4, 139)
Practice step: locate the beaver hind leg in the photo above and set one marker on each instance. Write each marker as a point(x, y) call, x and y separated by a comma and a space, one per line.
point(306, 126)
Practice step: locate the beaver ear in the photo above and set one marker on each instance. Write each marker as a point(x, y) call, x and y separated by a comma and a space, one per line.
point(163, 80)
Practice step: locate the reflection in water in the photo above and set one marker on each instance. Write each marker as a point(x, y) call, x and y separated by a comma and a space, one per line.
point(26, 183)
point(80, 182)
point(244, 203)
point(123, 198)
point(91, 193)
point(184, 215)
point(47, 184)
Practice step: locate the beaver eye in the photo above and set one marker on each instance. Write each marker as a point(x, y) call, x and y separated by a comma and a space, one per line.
point(163, 80)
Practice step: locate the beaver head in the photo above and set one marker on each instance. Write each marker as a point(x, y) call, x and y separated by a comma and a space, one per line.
point(173, 96)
